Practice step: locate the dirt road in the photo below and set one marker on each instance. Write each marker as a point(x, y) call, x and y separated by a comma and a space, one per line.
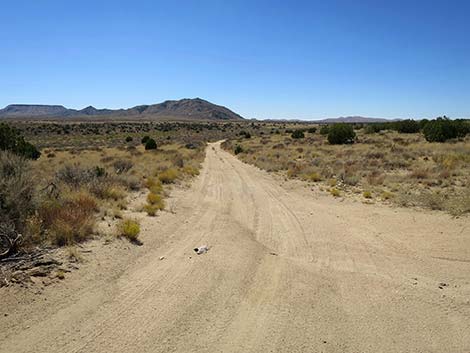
point(287, 271)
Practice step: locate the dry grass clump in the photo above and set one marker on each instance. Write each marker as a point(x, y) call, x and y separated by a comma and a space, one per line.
point(69, 219)
point(155, 203)
point(73, 254)
point(169, 176)
point(129, 229)
point(335, 192)
point(311, 176)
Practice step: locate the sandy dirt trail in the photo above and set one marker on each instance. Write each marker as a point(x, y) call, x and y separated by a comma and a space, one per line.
point(286, 272)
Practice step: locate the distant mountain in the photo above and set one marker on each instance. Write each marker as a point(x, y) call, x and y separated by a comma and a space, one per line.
point(33, 110)
point(353, 119)
point(348, 119)
point(193, 109)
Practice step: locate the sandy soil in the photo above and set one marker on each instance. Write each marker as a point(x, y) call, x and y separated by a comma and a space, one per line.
point(288, 271)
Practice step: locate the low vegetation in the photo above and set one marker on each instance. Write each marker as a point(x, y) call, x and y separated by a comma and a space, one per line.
point(129, 229)
point(11, 140)
point(340, 134)
point(397, 162)
point(57, 198)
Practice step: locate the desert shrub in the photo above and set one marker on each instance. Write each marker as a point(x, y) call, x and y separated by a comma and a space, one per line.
point(313, 176)
point(122, 166)
point(128, 138)
point(324, 130)
point(335, 192)
point(294, 170)
point(70, 219)
point(339, 134)
point(77, 176)
point(386, 195)
point(112, 192)
point(190, 170)
point(98, 172)
point(156, 201)
point(150, 144)
point(462, 127)
point(422, 123)
point(375, 177)
point(129, 229)
point(378, 127)
point(151, 209)
point(154, 185)
point(245, 134)
point(238, 149)
point(367, 194)
point(131, 182)
point(191, 146)
point(11, 140)
point(298, 134)
point(443, 129)
point(168, 176)
point(407, 126)
point(17, 193)
point(154, 198)
point(145, 139)
point(420, 173)
point(312, 130)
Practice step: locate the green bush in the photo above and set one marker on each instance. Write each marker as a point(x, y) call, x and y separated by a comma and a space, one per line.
point(312, 130)
point(150, 144)
point(339, 134)
point(238, 149)
point(422, 123)
point(324, 130)
point(298, 134)
point(128, 138)
point(443, 129)
point(11, 140)
point(407, 126)
point(145, 139)
point(462, 127)
point(245, 134)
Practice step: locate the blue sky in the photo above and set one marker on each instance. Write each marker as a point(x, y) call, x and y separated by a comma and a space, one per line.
point(263, 59)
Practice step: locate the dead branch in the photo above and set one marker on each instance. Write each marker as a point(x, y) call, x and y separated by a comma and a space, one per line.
point(12, 245)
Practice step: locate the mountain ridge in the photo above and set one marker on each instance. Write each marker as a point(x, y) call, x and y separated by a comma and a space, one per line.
point(186, 108)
